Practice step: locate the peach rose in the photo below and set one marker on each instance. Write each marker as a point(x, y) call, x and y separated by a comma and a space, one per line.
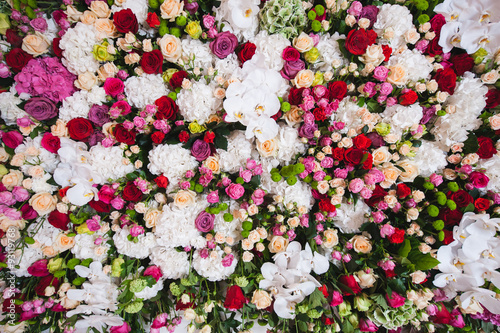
point(330, 238)
point(304, 78)
point(170, 9)
point(411, 36)
point(43, 203)
point(6, 223)
point(262, 232)
point(13, 178)
point(36, 171)
point(151, 217)
point(254, 236)
point(495, 122)
point(303, 42)
point(381, 155)
point(36, 44)
point(107, 70)
point(49, 251)
point(18, 159)
point(100, 8)
point(4, 156)
point(247, 256)
point(69, 303)
point(170, 47)
point(361, 244)
point(294, 115)
point(261, 299)
point(397, 75)
point(105, 28)
point(391, 174)
point(63, 242)
point(86, 81)
point(374, 55)
point(88, 17)
point(278, 244)
point(59, 129)
point(418, 277)
point(73, 13)
point(293, 222)
point(184, 198)
point(247, 244)
point(267, 148)
point(212, 163)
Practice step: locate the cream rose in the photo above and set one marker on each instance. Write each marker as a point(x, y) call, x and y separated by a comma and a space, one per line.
point(212, 163)
point(151, 217)
point(411, 171)
point(490, 78)
point(59, 129)
point(254, 236)
point(86, 81)
point(100, 8)
point(330, 238)
point(105, 28)
point(6, 223)
point(278, 244)
point(294, 115)
point(361, 244)
point(36, 44)
point(391, 174)
point(381, 155)
point(418, 277)
point(132, 58)
point(88, 17)
point(170, 47)
point(304, 78)
point(267, 148)
point(397, 75)
point(73, 13)
point(303, 42)
point(366, 280)
point(13, 178)
point(43, 203)
point(184, 198)
point(69, 303)
point(411, 36)
point(247, 256)
point(261, 299)
point(374, 55)
point(495, 122)
point(107, 70)
point(36, 171)
point(170, 9)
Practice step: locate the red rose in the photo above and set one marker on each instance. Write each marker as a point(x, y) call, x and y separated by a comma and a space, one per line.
point(153, 20)
point(183, 306)
point(354, 156)
point(397, 237)
point(337, 89)
point(209, 137)
point(45, 282)
point(100, 206)
point(408, 98)
point(447, 80)
point(151, 62)
point(17, 59)
point(486, 147)
point(361, 142)
point(124, 135)
point(183, 136)
point(295, 96)
point(56, 48)
point(177, 78)
point(319, 114)
point(158, 137)
point(326, 206)
point(167, 108)
point(450, 217)
point(462, 63)
point(387, 51)
point(403, 191)
point(161, 181)
point(482, 204)
point(126, 21)
point(462, 198)
point(235, 299)
point(246, 51)
point(39, 268)
point(350, 282)
point(433, 49)
point(131, 193)
point(51, 143)
point(338, 154)
point(368, 163)
point(492, 98)
point(62, 192)
point(378, 194)
point(324, 290)
point(437, 23)
point(13, 38)
point(358, 40)
point(448, 236)
point(390, 273)
point(443, 316)
point(290, 54)
point(59, 220)
point(79, 129)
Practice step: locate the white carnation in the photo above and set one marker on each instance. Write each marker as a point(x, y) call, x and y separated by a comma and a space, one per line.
point(77, 45)
point(75, 106)
point(173, 264)
point(396, 17)
point(350, 217)
point(430, 159)
point(401, 117)
point(145, 89)
point(416, 65)
point(239, 149)
point(139, 250)
point(198, 102)
point(108, 163)
point(212, 268)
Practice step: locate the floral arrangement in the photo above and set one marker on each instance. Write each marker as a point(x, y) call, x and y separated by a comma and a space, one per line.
point(236, 165)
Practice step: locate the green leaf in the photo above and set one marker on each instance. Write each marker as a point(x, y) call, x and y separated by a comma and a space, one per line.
point(470, 145)
point(220, 142)
point(59, 274)
point(29, 240)
point(131, 176)
point(405, 248)
point(316, 298)
point(361, 102)
point(422, 261)
point(470, 208)
point(78, 281)
point(347, 327)
point(72, 263)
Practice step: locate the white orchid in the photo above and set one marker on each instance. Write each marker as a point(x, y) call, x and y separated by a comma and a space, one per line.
point(93, 273)
point(99, 322)
point(485, 297)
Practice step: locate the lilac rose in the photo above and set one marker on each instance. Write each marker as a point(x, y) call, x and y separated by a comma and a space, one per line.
point(224, 44)
point(200, 150)
point(204, 222)
point(41, 108)
point(370, 12)
point(99, 114)
point(291, 68)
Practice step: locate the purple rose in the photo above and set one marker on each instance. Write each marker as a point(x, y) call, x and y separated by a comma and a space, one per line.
point(12, 139)
point(428, 114)
point(370, 12)
point(200, 150)
point(96, 138)
point(224, 44)
point(204, 222)
point(291, 68)
point(41, 108)
point(307, 130)
point(377, 140)
point(99, 114)
point(191, 7)
point(235, 191)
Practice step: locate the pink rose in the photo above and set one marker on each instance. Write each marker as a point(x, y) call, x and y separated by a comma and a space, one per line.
point(337, 298)
point(366, 325)
point(12, 139)
point(39, 268)
point(356, 185)
point(153, 271)
point(113, 86)
point(386, 230)
point(235, 191)
point(478, 179)
point(106, 194)
point(395, 300)
point(125, 328)
point(380, 73)
point(385, 88)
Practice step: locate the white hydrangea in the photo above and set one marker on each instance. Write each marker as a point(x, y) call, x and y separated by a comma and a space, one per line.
point(139, 250)
point(491, 166)
point(198, 102)
point(172, 161)
point(150, 292)
point(96, 96)
point(173, 264)
point(24, 258)
point(34, 154)
point(40, 184)
point(430, 159)
point(469, 101)
point(401, 117)
point(229, 67)
point(194, 48)
point(239, 149)
point(271, 47)
point(347, 113)
point(109, 163)
point(229, 229)
point(350, 217)
point(289, 144)
point(77, 45)
point(329, 51)
point(145, 89)
point(396, 17)
point(299, 193)
point(10, 112)
point(211, 268)
point(75, 106)
point(85, 247)
point(416, 65)
point(239, 16)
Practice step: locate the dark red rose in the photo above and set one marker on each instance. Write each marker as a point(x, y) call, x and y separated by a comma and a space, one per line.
point(13, 38)
point(390, 273)
point(17, 59)
point(378, 194)
point(28, 213)
point(354, 156)
point(79, 129)
point(437, 23)
point(434, 49)
point(462, 198)
point(59, 220)
point(39, 268)
point(209, 137)
point(181, 306)
point(357, 41)
point(45, 282)
point(126, 21)
point(177, 78)
point(161, 181)
point(326, 206)
point(151, 62)
point(337, 89)
point(350, 282)
point(338, 154)
point(56, 48)
point(403, 191)
point(295, 96)
point(492, 98)
point(397, 237)
point(246, 51)
point(448, 236)
point(482, 204)
point(183, 136)
point(153, 20)
point(408, 98)
point(235, 299)
point(462, 63)
point(131, 193)
point(361, 142)
point(320, 114)
point(447, 80)
point(290, 54)
point(372, 37)
point(100, 206)
point(387, 51)
point(157, 137)
point(450, 217)
point(12, 139)
point(368, 163)
point(124, 135)
point(167, 108)
point(443, 316)
point(486, 147)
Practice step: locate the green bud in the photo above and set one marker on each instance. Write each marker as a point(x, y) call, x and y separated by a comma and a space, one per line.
point(438, 224)
point(453, 186)
point(241, 281)
point(195, 128)
point(423, 18)
point(167, 75)
point(276, 177)
point(311, 15)
point(285, 106)
point(302, 308)
point(428, 186)
point(172, 95)
point(316, 26)
point(318, 76)
point(432, 210)
point(4, 23)
point(308, 179)
point(180, 21)
point(154, 4)
point(479, 56)
point(441, 198)
point(320, 10)
point(198, 188)
point(441, 113)
point(175, 290)
point(100, 52)
point(134, 307)
point(441, 236)
point(228, 217)
point(83, 229)
point(111, 3)
point(245, 233)
point(247, 225)
point(163, 29)
point(383, 129)
point(291, 180)
point(176, 32)
point(353, 319)
point(55, 264)
point(451, 204)
point(299, 168)
point(116, 267)
point(138, 285)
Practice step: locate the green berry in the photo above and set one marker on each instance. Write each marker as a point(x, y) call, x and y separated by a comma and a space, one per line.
point(438, 224)
point(245, 233)
point(228, 217)
point(276, 177)
point(291, 180)
point(320, 10)
point(299, 168)
point(223, 206)
point(316, 26)
point(441, 113)
point(247, 225)
point(441, 198)
point(175, 32)
point(198, 188)
point(308, 178)
point(453, 186)
point(285, 106)
point(311, 15)
point(433, 211)
point(423, 18)
point(428, 186)
point(441, 236)
point(181, 21)
point(154, 4)
point(451, 204)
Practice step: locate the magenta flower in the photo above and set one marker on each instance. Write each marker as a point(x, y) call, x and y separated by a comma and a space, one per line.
point(395, 300)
